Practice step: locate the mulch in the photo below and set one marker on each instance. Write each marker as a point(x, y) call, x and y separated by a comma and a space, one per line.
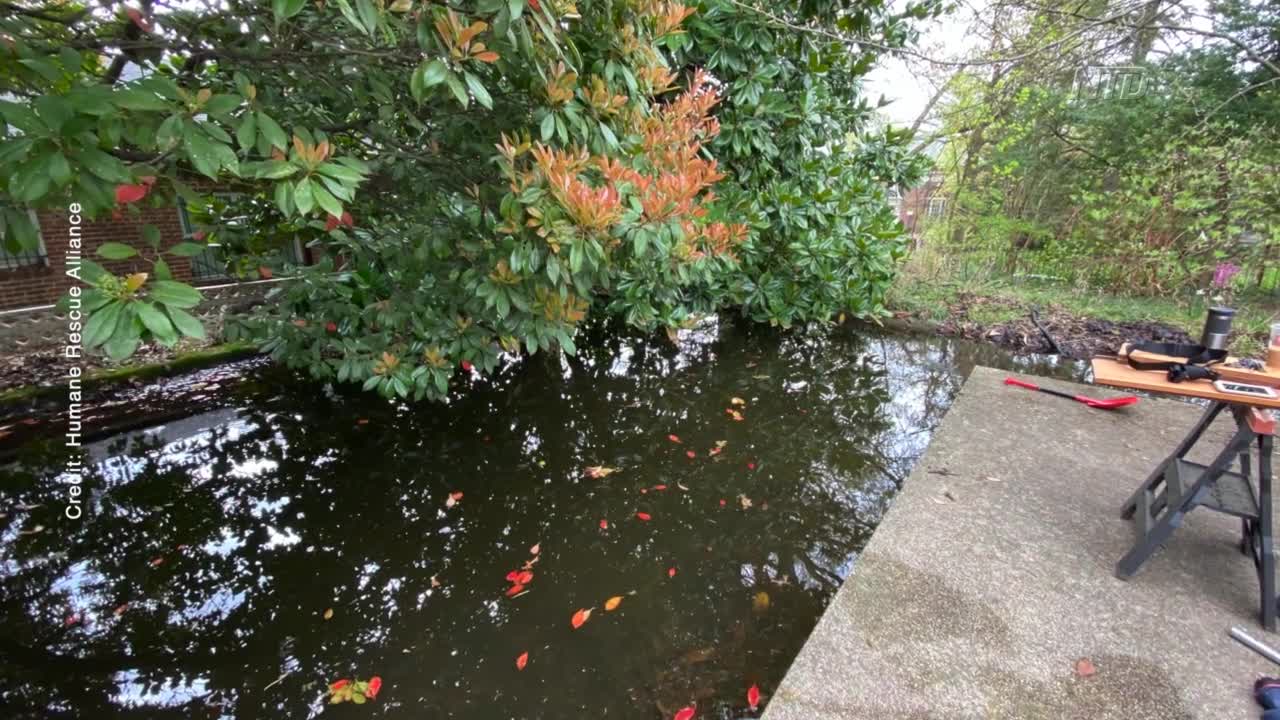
point(1077, 336)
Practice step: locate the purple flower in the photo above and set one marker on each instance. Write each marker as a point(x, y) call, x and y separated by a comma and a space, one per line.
point(1223, 274)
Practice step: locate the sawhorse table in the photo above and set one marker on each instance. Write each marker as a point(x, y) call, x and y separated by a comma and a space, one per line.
point(1177, 486)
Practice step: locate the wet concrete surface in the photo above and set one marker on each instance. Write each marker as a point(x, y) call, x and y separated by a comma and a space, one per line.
point(991, 578)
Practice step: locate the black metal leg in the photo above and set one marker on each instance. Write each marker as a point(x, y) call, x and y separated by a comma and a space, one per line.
point(1179, 507)
point(1157, 476)
point(1246, 526)
point(1266, 559)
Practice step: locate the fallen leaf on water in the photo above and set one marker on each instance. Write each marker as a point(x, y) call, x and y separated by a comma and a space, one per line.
point(157, 561)
point(644, 516)
point(691, 453)
point(659, 487)
point(671, 572)
point(362, 421)
point(579, 618)
point(751, 466)
point(612, 603)
point(535, 549)
point(1085, 668)
point(760, 603)
point(328, 614)
point(434, 582)
point(674, 438)
point(524, 578)
point(515, 590)
point(734, 414)
point(522, 661)
point(375, 686)
point(454, 497)
point(513, 576)
point(32, 531)
point(714, 451)
point(744, 501)
point(682, 487)
point(599, 471)
point(72, 619)
point(604, 524)
point(753, 697)
point(120, 610)
point(737, 401)
point(684, 713)
point(722, 502)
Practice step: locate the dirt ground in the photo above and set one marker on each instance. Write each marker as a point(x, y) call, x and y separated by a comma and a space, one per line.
point(1076, 336)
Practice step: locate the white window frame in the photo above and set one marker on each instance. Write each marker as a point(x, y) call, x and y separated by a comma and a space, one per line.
point(25, 259)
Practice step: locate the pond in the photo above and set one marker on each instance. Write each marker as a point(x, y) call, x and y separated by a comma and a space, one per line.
point(235, 562)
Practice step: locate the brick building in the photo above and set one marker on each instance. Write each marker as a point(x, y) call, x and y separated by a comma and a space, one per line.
point(917, 206)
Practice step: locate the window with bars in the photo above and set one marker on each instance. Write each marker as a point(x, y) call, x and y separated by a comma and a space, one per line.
point(13, 260)
point(213, 262)
point(937, 207)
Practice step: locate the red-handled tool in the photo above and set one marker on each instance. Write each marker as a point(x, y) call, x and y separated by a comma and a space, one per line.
point(1108, 404)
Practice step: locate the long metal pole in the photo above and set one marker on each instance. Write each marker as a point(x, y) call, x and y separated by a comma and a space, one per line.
point(1257, 646)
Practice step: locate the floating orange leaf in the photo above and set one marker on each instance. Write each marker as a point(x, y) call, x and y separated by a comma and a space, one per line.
point(579, 618)
point(674, 438)
point(644, 516)
point(522, 661)
point(612, 603)
point(753, 697)
point(737, 401)
point(599, 471)
point(328, 614)
point(684, 714)
point(734, 414)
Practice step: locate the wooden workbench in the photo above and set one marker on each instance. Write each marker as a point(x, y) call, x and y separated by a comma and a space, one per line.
point(1117, 373)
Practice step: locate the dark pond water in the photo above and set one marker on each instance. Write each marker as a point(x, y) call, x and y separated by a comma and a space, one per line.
point(197, 582)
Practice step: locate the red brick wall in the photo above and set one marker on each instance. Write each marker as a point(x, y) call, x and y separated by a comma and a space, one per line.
point(44, 284)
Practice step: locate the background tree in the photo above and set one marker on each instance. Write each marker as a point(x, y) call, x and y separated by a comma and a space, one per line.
point(477, 177)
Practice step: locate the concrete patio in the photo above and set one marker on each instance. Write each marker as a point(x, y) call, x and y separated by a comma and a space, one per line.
point(991, 576)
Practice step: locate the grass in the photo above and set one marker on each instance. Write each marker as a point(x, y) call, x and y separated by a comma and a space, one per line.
point(183, 361)
point(931, 295)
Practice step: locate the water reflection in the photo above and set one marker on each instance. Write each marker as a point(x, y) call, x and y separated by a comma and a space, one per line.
point(197, 582)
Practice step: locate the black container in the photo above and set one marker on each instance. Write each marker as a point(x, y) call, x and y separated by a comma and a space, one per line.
point(1217, 326)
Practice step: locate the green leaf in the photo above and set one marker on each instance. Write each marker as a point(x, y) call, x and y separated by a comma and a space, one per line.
point(272, 131)
point(102, 324)
point(186, 323)
point(54, 111)
point(548, 127)
point(59, 169)
point(284, 198)
point(368, 15)
point(21, 117)
point(203, 152)
point(339, 172)
point(459, 92)
point(103, 165)
point(160, 269)
point(276, 169)
point(125, 340)
point(141, 100)
point(157, 322)
point(478, 89)
point(175, 294)
point(302, 196)
point(151, 234)
point(433, 73)
point(187, 249)
point(116, 251)
point(285, 9)
point(326, 200)
point(247, 133)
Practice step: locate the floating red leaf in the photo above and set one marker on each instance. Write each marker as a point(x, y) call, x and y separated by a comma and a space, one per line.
point(659, 487)
point(671, 572)
point(691, 453)
point(579, 618)
point(753, 697)
point(340, 684)
point(751, 466)
point(466, 366)
point(522, 661)
point(722, 503)
point(454, 497)
point(515, 590)
point(72, 619)
point(674, 438)
point(684, 713)
point(604, 524)
point(513, 576)
point(644, 516)
point(525, 578)
point(375, 685)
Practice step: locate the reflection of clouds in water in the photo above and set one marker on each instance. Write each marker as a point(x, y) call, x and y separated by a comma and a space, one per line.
point(134, 692)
